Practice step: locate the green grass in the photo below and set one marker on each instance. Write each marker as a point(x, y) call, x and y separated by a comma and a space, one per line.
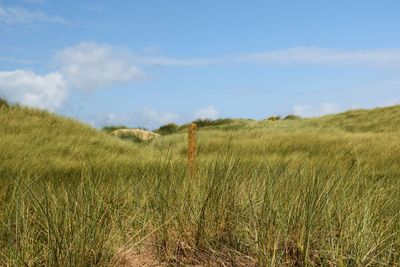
point(304, 192)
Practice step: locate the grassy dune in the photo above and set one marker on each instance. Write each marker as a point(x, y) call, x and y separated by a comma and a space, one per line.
point(309, 192)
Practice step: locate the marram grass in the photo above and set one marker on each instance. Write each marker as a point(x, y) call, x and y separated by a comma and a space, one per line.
point(315, 192)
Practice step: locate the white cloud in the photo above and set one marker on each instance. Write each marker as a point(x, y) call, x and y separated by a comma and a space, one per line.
point(90, 66)
point(148, 118)
point(87, 66)
point(209, 112)
point(28, 88)
point(315, 55)
point(319, 110)
point(18, 15)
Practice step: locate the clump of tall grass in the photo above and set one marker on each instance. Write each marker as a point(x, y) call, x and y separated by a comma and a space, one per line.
point(273, 215)
point(269, 213)
point(50, 225)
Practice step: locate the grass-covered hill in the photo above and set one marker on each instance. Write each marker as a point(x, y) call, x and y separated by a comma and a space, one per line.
point(298, 192)
point(385, 119)
point(374, 120)
point(41, 142)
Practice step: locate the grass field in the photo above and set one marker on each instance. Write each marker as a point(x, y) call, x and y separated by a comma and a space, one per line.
point(304, 192)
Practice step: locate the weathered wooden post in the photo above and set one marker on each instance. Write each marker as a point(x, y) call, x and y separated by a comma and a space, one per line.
point(192, 149)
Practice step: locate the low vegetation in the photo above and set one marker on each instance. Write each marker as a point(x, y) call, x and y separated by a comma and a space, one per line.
point(292, 117)
point(3, 103)
point(166, 129)
point(274, 118)
point(208, 122)
point(302, 192)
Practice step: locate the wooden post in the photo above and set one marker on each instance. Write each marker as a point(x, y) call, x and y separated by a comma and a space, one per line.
point(192, 149)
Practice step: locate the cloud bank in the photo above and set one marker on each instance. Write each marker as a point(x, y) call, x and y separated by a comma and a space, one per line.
point(28, 88)
point(90, 66)
point(87, 66)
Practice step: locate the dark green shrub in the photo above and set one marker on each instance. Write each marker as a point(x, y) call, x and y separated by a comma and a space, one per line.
point(170, 128)
point(4, 103)
point(274, 118)
point(292, 117)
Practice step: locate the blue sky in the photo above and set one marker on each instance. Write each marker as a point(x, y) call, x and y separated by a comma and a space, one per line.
point(147, 63)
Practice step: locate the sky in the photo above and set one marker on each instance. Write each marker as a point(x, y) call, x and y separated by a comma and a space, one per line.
point(148, 63)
